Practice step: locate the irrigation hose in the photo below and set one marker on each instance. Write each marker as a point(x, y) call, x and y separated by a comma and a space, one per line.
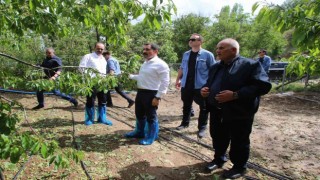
point(250, 165)
point(83, 165)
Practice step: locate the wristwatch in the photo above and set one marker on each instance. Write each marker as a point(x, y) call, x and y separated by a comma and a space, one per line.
point(235, 95)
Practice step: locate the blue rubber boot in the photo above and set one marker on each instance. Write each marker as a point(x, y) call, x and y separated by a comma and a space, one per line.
point(140, 130)
point(102, 115)
point(89, 116)
point(153, 131)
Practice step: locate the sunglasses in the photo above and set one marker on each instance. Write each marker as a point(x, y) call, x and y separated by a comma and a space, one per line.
point(192, 39)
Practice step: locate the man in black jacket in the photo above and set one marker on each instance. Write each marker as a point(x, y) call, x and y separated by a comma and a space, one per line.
point(233, 90)
point(52, 69)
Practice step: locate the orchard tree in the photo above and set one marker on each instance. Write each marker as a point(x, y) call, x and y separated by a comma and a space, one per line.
point(108, 17)
point(55, 19)
point(183, 27)
point(302, 17)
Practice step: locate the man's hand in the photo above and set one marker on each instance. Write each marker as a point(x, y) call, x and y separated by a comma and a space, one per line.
point(178, 84)
point(155, 102)
point(52, 78)
point(205, 92)
point(224, 96)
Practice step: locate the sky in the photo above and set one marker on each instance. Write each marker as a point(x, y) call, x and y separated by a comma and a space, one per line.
point(208, 8)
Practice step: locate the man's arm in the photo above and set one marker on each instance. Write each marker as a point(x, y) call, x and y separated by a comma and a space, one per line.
point(179, 76)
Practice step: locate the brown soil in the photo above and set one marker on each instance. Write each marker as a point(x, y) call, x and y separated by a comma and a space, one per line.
point(285, 139)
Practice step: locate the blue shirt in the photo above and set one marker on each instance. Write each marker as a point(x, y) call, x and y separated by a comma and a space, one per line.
point(113, 64)
point(265, 62)
point(204, 61)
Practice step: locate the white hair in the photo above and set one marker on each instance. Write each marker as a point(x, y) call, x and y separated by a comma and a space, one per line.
point(233, 43)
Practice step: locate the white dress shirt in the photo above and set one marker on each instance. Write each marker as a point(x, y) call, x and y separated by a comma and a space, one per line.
point(153, 75)
point(94, 61)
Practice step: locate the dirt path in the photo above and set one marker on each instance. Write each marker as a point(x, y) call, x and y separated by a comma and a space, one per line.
point(285, 139)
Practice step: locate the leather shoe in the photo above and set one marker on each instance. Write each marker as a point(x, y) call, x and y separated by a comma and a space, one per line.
point(182, 127)
point(38, 107)
point(201, 133)
point(213, 166)
point(109, 105)
point(131, 104)
point(234, 173)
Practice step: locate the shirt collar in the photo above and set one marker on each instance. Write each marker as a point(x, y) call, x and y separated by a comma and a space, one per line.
point(152, 59)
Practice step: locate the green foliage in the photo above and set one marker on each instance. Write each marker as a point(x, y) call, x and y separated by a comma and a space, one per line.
point(109, 17)
point(140, 34)
point(301, 17)
point(183, 27)
point(15, 145)
point(301, 64)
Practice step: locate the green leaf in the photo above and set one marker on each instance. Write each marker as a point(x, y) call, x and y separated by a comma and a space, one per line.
point(44, 151)
point(15, 154)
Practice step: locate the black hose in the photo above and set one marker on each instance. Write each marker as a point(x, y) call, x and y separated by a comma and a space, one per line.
point(22, 168)
point(83, 165)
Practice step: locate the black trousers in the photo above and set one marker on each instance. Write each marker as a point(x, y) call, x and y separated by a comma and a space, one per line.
point(91, 99)
point(143, 108)
point(188, 95)
point(234, 132)
point(119, 91)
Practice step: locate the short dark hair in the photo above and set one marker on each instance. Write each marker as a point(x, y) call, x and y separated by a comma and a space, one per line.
point(106, 53)
point(153, 46)
point(200, 37)
point(264, 51)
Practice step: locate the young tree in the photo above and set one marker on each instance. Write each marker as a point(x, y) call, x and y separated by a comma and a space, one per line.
point(183, 27)
point(302, 18)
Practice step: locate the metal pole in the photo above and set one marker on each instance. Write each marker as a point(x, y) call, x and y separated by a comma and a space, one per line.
point(283, 77)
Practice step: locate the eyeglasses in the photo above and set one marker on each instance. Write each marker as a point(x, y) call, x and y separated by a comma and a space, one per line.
point(146, 49)
point(193, 39)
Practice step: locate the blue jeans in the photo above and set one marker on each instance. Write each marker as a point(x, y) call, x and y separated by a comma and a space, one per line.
point(56, 92)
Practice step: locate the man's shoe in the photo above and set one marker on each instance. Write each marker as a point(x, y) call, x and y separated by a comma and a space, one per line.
point(38, 107)
point(109, 105)
point(131, 104)
point(234, 173)
point(213, 166)
point(201, 133)
point(182, 127)
point(75, 103)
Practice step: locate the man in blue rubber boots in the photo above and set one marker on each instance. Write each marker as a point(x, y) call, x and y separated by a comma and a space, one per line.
point(52, 68)
point(232, 93)
point(152, 81)
point(95, 61)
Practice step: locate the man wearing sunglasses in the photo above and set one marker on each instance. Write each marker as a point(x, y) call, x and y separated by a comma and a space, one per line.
point(152, 82)
point(264, 60)
point(192, 75)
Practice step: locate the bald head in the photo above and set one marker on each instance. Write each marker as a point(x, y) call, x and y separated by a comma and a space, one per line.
point(99, 48)
point(228, 49)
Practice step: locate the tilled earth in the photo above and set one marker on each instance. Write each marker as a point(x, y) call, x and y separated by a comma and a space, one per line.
point(285, 140)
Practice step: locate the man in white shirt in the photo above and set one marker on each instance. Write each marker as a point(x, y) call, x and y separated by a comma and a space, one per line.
point(152, 81)
point(95, 61)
